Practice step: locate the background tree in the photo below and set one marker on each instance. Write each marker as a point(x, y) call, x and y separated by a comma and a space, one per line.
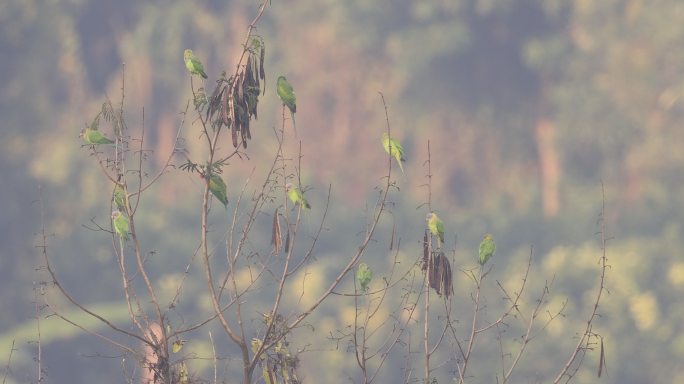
point(469, 75)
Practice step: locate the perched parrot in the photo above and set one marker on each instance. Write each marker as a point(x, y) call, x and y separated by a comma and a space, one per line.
point(487, 248)
point(287, 95)
point(193, 64)
point(177, 345)
point(120, 224)
point(364, 275)
point(94, 137)
point(436, 226)
point(119, 198)
point(394, 148)
point(217, 187)
point(296, 196)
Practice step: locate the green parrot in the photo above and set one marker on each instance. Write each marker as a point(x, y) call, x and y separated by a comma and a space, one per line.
point(487, 248)
point(394, 148)
point(364, 275)
point(119, 198)
point(177, 346)
point(436, 226)
point(94, 137)
point(287, 95)
point(296, 196)
point(193, 64)
point(218, 188)
point(120, 224)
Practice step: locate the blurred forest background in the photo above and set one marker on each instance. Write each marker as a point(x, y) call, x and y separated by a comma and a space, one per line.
point(529, 107)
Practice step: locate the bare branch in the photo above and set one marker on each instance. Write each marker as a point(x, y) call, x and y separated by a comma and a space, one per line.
point(582, 344)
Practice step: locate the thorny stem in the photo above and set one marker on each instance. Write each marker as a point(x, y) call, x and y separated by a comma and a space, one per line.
point(360, 251)
point(426, 285)
point(39, 357)
point(584, 339)
point(136, 243)
point(9, 360)
point(56, 283)
point(426, 326)
point(429, 177)
point(371, 310)
point(240, 340)
point(471, 341)
point(526, 338)
point(290, 250)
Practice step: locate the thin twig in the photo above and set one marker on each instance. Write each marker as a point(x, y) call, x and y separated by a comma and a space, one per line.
point(9, 360)
point(584, 339)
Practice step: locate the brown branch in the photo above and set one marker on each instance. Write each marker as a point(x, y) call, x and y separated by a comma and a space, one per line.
point(167, 163)
point(239, 340)
point(9, 360)
point(39, 357)
point(56, 283)
point(584, 339)
point(352, 262)
point(526, 337)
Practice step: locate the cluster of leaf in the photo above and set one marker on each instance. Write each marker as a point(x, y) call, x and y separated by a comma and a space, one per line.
point(234, 100)
point(438, 267)
point(278, 364)
point(214, 168)
point(111, 115)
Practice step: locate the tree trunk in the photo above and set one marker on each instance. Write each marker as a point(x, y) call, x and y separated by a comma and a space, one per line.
point(549, 166)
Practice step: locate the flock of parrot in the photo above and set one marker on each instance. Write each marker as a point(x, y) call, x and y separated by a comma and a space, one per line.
point(217, 187)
